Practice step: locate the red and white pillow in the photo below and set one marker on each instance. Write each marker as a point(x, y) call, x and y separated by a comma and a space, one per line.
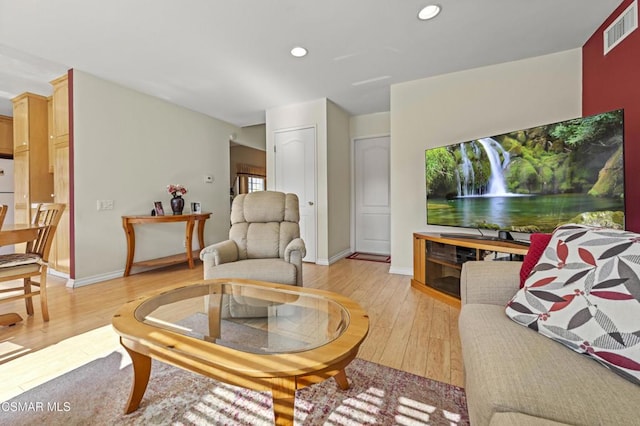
point(584, 292)
point(539, 243)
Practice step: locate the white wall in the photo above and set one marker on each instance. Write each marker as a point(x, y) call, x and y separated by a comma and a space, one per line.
point(6, 107)
point(128, 147)
point(338, 182)
point(252, 136)
point(370, 125)
point(462, 106)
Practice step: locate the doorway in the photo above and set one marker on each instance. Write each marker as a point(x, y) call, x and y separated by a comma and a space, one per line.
point(372, 212)
point(295, 172)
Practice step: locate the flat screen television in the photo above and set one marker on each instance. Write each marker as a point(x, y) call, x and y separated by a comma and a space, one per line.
point(531, 180)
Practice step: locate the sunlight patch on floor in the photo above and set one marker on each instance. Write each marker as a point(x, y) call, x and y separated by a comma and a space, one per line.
point(36, 368)
point(11, 350)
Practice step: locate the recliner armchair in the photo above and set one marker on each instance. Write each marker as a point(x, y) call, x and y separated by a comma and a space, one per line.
point(264, 244)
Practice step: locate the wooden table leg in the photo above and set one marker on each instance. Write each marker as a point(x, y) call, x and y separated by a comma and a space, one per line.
point(188, 237)
point(131, 245)
point(141, 373)
point(341, 380)
point(201, 233)
point(214, 312)
point(283, 390)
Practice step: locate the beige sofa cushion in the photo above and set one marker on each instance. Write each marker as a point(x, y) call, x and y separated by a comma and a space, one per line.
point(510, 368)
point(519, 419)
point(265, 206)
point(263, 224)
point(270, 270)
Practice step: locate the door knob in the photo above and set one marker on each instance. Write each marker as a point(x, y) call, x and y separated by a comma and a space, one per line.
point(310, 203)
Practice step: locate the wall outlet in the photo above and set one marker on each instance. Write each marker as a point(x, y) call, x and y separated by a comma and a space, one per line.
point(104, 204)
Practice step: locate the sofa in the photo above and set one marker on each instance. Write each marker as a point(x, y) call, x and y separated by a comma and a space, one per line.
point(515, 376)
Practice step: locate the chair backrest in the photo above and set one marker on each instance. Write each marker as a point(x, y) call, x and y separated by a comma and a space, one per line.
point(3, 213)
point(47, 215)
point(263, 223)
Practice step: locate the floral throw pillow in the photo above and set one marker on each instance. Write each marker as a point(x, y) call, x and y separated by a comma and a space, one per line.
point(584, 292)
point(539, 243)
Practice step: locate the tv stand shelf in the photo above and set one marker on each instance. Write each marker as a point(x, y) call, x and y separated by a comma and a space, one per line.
point(438, 260)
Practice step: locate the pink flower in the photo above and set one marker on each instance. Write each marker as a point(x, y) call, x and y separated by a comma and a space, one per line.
point(176, 190)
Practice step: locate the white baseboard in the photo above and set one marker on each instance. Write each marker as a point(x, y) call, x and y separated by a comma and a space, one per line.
point(341, 255)
point(333, 259)
point(55, 273)
point(96, 278)
point(118, 274)
point(401, 271)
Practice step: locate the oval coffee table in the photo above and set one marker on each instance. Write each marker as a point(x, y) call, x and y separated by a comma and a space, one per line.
point(292, 338)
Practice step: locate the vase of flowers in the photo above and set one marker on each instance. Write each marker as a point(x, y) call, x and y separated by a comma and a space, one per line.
point(177, 203)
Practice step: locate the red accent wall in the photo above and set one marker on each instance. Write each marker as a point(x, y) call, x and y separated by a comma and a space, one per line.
point(613, 82)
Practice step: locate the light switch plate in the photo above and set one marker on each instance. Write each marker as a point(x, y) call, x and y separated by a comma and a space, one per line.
point(104, 204)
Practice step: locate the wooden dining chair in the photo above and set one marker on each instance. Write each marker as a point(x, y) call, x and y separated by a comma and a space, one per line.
point(3, 213)
point(33, 262)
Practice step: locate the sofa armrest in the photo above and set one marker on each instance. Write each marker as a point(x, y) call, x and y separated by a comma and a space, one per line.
point(219, 253)
point(295, 250)
point(489, 282)
point(293, 253)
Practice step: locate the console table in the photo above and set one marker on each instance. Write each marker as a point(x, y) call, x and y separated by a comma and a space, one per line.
point(190, 221)
point(438, 260)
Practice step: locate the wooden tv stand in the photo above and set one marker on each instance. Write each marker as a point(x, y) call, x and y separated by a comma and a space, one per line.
point(438, 260)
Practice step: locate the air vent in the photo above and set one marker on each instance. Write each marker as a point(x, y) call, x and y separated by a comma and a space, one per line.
point(621, 27)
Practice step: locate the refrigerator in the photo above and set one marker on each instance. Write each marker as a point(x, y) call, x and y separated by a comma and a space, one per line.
point(6, 195)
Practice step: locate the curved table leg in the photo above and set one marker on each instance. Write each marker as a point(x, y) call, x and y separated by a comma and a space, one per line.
point(141, 373)
point(283, 390)
point(201, 233)
point(131, 245)
point(188, 237)
point(341, 380)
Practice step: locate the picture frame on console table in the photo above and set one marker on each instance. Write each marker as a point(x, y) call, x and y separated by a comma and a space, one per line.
point(157, 207)
point(196, 207)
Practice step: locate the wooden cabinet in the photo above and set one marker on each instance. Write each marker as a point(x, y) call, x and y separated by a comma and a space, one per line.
point(61, 255)
point(50, 131)
point(21, 122)
point(437, 261)
point(60, 107)
point(32, 180)
point(21, 187)
point(6, 136)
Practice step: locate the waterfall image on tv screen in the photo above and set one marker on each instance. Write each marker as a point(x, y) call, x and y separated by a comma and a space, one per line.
point(531, 180)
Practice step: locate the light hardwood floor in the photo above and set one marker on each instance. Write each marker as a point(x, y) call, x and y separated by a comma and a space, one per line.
point(408, 329)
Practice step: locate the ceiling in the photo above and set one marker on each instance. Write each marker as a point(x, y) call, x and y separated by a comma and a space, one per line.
point(230, 59)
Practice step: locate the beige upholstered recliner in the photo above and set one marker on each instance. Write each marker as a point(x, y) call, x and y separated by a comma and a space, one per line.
point(264, 244)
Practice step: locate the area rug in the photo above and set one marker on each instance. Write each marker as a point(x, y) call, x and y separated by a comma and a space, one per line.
point(370, 257)
point(96, 393)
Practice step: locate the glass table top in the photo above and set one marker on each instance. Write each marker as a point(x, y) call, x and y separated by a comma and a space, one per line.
point(247, 317)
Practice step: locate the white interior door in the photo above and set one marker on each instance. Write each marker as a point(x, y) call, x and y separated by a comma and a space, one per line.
point(372, 197)
point(295, 172)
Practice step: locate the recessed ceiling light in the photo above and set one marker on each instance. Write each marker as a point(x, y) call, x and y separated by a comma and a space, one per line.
point(299, 52)
point(429, 12)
